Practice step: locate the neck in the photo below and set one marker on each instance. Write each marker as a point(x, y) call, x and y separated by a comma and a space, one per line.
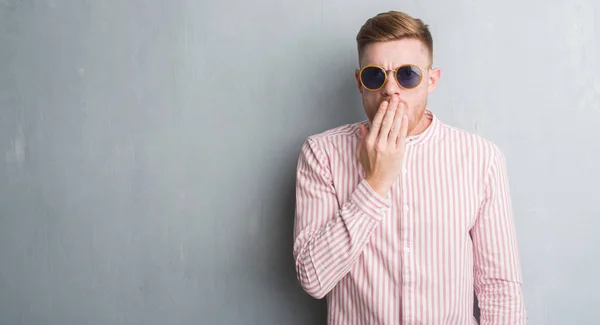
point(420, 126)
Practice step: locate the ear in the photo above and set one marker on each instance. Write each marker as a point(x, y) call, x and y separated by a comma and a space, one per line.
point(358, 84)
point(434, 77)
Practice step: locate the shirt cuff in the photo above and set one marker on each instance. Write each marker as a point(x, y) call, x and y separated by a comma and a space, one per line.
point(369, 201)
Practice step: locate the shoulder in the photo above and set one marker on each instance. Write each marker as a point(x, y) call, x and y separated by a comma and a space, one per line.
point(335, 143)
point(336, 136)
point(467, 141)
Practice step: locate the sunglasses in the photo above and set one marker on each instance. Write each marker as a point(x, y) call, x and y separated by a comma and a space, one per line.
point(408, 76)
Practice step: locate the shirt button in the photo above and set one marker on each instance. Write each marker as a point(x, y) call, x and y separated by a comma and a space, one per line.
point(407, 250)
point(405, 171)
point(406, 208)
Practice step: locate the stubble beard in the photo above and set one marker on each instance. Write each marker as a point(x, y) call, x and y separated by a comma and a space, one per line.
point(419, 116)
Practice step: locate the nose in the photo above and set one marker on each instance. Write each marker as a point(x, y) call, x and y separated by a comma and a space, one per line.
point(391, 87)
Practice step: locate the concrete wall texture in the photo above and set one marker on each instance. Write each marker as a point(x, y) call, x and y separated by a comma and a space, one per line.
point(148, 148)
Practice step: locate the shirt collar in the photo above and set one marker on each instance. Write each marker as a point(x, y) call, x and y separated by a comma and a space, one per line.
point(429, 132)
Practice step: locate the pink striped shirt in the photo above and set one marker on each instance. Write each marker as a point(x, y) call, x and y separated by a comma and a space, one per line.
point(445, 231)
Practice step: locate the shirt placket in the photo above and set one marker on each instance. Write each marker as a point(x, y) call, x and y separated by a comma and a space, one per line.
point(406, 243)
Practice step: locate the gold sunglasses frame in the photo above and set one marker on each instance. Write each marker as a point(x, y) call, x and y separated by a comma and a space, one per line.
point(395, 71)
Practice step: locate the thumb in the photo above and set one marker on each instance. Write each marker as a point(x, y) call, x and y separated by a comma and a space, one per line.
point(363, 131)
point(361, 139)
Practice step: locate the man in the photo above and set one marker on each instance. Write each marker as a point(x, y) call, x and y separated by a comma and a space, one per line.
point(400, 218)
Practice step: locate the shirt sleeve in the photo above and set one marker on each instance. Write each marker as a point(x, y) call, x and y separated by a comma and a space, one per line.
point(497, 268)
point(329, 235)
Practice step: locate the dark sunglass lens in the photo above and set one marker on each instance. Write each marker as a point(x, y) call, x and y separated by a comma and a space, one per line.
point(409, 76)
point(372, 77)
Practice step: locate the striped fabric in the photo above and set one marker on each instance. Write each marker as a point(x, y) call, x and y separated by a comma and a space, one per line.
point(416, 257)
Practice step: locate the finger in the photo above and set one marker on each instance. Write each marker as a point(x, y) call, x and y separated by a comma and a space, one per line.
point(361, 139)
point(388, 119)
point(395, 130)
point(376, 124)
point(363, 131)
point(403, 132)
point(403, 108)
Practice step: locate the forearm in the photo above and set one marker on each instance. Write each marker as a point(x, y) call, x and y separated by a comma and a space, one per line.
point(326, 254)
point(501, 303)
point(496, 256)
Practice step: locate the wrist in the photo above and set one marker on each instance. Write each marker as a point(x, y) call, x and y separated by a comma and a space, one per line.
point(378, 187)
